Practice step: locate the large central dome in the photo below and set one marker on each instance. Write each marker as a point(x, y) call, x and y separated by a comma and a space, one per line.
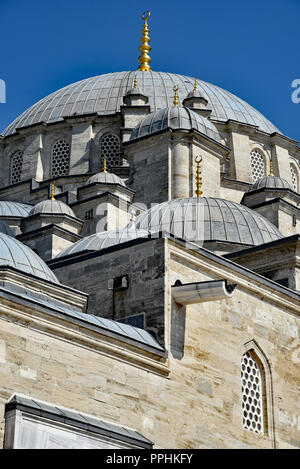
point(104, 95)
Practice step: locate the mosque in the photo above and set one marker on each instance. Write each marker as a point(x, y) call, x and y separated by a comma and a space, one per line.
point(149, 266)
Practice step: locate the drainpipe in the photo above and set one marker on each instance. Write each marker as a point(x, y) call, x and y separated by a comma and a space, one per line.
point(199, 292)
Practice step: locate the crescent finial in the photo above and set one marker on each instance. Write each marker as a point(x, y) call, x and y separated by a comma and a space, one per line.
point(175, 89)
point(146, 15)
point(144, 58)
point(198, 191)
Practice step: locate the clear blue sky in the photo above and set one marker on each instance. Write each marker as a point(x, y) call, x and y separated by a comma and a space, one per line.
point(249, 48)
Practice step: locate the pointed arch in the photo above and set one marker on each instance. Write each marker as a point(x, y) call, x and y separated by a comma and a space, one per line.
point(259, 374)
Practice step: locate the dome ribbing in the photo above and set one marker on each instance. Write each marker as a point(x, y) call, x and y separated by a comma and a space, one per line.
point(15, 254)
point(103, 94)
point(175, 118)
point(209, 219)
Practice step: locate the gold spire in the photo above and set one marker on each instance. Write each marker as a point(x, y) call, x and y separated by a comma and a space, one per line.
point(175, 102)
point(104, 166)
point(144, 58)
point(135, 82)
point(198, 191)
point(271, 168)
point(52, 193)
point(195, 85)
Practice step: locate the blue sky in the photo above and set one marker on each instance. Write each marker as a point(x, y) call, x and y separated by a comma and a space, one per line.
point(249, 48)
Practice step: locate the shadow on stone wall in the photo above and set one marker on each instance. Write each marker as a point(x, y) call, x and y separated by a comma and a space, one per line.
point(178, 318)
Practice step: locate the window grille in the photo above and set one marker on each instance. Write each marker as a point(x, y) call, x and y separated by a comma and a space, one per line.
point(60, 158)
point(252, 394)
point(294, 178)
point(16, 167)
point(110, 149)
point(257, 165)
point(89, 215)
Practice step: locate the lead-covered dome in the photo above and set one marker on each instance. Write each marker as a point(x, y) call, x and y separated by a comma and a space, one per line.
point(15, 254)
point(209, 219)
point(270, 182)
point(5, 229)
point(105, 239)
point(105, 178)
point(52, 207)
point(175, 118)
point(14, 209)
point(104, 95)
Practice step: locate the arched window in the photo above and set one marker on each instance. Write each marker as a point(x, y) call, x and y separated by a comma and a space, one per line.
point(110, 149)
point(258, 166)
point(253, 393)
point(16, 167)
point(294, 174)
point(60, 162)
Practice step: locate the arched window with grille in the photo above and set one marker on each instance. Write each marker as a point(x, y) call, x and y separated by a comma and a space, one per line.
point(258, 166)
point(110, 149)
point(253, 393)
point(295, 177)
point(16, 167)
point(60, 160)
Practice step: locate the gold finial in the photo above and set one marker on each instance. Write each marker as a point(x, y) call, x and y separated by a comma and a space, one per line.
point(195, 85)
point(198, 191)
point(135, 83)
point(144, 58)
point(104, 166)
point(52, 193)
point(175, 102)
point(271, 168)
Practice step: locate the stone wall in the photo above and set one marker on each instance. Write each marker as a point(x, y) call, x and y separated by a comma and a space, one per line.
point(276, 261)
point(142, 262)
point(150, 170)
point(106, 213)
point(196, 405)
point(57, 370)
point(213, 338)
point(37, 142)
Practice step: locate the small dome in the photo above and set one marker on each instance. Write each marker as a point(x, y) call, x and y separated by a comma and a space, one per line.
point(105, 239)
point(52, 207)
point(5, 229)
point(209, 219)
point(175, 118)
point(194, 94)
point(135, 92)
point(270, 182)
point(14, 209)
point(105, 178)
point(15, 254)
